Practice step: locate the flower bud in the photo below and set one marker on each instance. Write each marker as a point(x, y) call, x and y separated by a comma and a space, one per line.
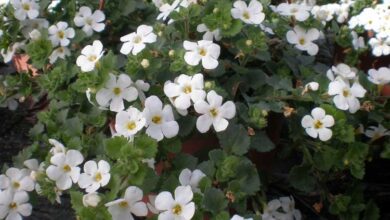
point(171, 53)
point(35, 34)
point(145, 63)
point(215, 10)
point(249, 42)
point(91, 199)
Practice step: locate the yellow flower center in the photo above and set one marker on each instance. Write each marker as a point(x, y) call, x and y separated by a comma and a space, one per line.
point(117, 91)
point(302, 41)
point(246, 15)
point(26, 6)
point(67, 168)
point(187, 89)
point(177, 209)
point(60, 49)
point(123, 204)
point(88, 21)
point(137, 39)
point(156, 119)
point(202, 52)
point(318, 124)
point(16, 185)
point(13, 205)
point(346, 93)
point(214, 112)
point(60, 34)
point(98, 177)
point(294, 10)
point(131, 125)
point(92, 58)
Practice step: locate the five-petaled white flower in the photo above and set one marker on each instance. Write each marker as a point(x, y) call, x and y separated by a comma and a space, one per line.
point(135, 42)
point(214, 113)
point(159, 120)
point(57, 147)
point(60, 34)
point(115, 90)
point(250, 14)
point(191, 178)
point(342, 71)
point(209, 34)
point(299, 11)
point(376, 132)
point(129, 122)
point(64, 169)
point(180, 207)
point(141, 87)
point(90, 22)
point(303, 39)
point(60, 52)
point(91, 199)
point(25, 8)
point(95, 175)
point(122, 209)
point(184, 89)
point(16, 180)
point(90, 55)
point(14, 205)
point(380, 76)
point(317, 124)
point(166, 9)
point(380, 46)
point(345, 96)
point(205, 51)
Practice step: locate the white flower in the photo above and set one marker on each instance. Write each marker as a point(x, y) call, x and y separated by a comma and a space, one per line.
point(152, 204)
point(8, 54)
point(159, 121)
point(135, 42)
point(16, 180)
point(129, 122)
point(270, 210)
point(60, 52)
point(11, 102)
point(250, 14)
point(342, 71)
point(4, 2)
point(205, 51)
point(57, 147)
point(380, 76)
point(142, 87)
point(122, 209)
point(299, 11)
point(345, 97)
point(380, 47)
point(186, 3)
point(313, 86)
point(357, 42)
point(166, 9)
point(33, 24)
point(181, 207)
point(376, 132)
point(303, 39)
point(323, 13)
point(14, 205)
point(94, 176)
point(214, 113)
point(35, 35)
point(91, 199)
point(90, 55)
point(237, 217)
point(65, 168)
point(288, 206)
point(191, 178)
point(25, 8)
point(34, 168)
point(149, 162)
point(184, 89)
point(60, 34)
point(317, 124)
point(115, 90)
point(209, 34)
point(90, 22)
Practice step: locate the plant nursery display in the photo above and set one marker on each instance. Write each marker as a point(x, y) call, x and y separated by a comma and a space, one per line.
point(198, 109)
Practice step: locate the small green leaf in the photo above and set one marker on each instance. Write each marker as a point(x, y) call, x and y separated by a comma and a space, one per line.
point(214, 200)
point(235, 139)
point(261, 142)
point(301, 179)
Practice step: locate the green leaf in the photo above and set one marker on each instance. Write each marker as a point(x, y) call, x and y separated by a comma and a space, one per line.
point(113, 146)
point(147, 145)
point(301, 179)
point(214, 200)
point(386, 151)
point(372, 211)
point(325, 158)
point(39, 51)
point(355, 158)
point(340, 204)
point(235, 139)
point(261, 142)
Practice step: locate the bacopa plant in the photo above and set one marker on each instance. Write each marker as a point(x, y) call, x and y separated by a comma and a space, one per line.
point(197, 109)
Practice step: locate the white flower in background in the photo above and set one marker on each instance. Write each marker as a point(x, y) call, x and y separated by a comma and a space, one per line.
point(299, 11)
point(115, 91)
point(271, 209)
point(60, 34)
point(91, 199)
point(323, 13)
point(380, 47)
point(57, 147)
point(205, 51)
point(129, 122)
point(186, 3)
point(345, 96)
point(25, 9)
point(4, 2)
point(8, 54)
point(135, 42)
point(34, 168)
point(250, 14)
point(376, 132)
point(142, 87)
point(191, 178)
point(303, 39)
point(160, 122)
point(380, 76)
point(209, 34)
point(152, 204)
point(27, 26)
point(313, 86)
point(90, 55)
point(342, 71)
point(64, 169)
point(237, 217)
point(59, 52)
point(317, 124)
point(35, 35)
point(357, 42)
point(95, 175)
point(123, 209)
point(158, 3)
point(16, 180)
point(11, 102)
point(14, 205)
point(90, 22)
point(166, 9)
point(213, 112)
point(181, 207)
point(184, 89)
point(288, 206)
